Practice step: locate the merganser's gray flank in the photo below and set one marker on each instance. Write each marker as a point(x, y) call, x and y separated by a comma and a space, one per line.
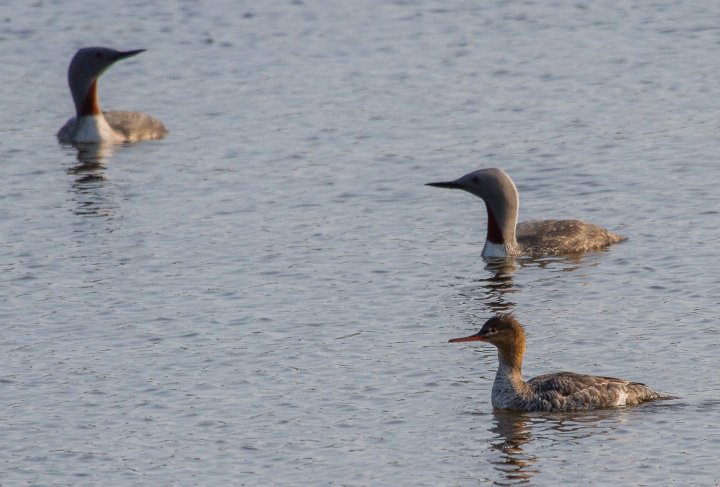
point(90, 124)
point(561, 391)
point(506, 238)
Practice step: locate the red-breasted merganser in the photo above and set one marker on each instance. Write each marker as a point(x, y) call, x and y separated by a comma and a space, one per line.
point(561, 391)
point(505, 238)
point(90, 125)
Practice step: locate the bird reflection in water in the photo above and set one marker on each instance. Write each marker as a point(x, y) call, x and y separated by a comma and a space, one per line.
point(89, 172)
point(517, 435)
point(512, 430)
point(564, 263)
point(492, 291)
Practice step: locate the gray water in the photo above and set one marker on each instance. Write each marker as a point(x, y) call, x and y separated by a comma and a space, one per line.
point(265, 296)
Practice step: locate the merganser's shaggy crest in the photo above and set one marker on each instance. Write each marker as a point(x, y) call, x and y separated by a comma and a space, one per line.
point(561, 391)
point(90, 125)
point(506, 238)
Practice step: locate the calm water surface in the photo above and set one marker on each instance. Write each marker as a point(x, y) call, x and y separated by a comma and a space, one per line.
point(265, 296)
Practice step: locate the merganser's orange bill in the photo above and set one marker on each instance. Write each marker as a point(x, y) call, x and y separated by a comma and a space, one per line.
point(477, 337)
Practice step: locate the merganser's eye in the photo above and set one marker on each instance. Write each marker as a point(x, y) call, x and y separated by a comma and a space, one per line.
point(492, 330)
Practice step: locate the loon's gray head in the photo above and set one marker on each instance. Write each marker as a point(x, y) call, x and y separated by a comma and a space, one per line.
point(500, 195)
point(85, 68)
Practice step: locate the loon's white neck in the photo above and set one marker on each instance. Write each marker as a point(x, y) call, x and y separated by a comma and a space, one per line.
point(502, 214)
point(94, 129)
point(91, 127)
point(500, 250)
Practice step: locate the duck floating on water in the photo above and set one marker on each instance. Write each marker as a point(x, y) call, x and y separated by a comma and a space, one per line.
point(561, 391)
point(91, 125)
point(505, 238)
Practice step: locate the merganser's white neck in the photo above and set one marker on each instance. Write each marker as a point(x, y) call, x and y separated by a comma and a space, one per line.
point(508, 386)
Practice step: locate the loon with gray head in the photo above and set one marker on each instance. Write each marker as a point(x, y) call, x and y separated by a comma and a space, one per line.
point(91, 125)
point(505, 238)
point(560, 391)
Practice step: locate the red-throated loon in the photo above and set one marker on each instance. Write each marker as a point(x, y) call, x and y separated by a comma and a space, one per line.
point(90, 125)
point(538, 237)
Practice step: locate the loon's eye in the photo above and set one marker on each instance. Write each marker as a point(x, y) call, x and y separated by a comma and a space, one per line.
point(476, 179)
point(98, 54)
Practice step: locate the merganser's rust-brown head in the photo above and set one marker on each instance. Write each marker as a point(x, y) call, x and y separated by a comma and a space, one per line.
point(506, 333)
point(85, 68)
